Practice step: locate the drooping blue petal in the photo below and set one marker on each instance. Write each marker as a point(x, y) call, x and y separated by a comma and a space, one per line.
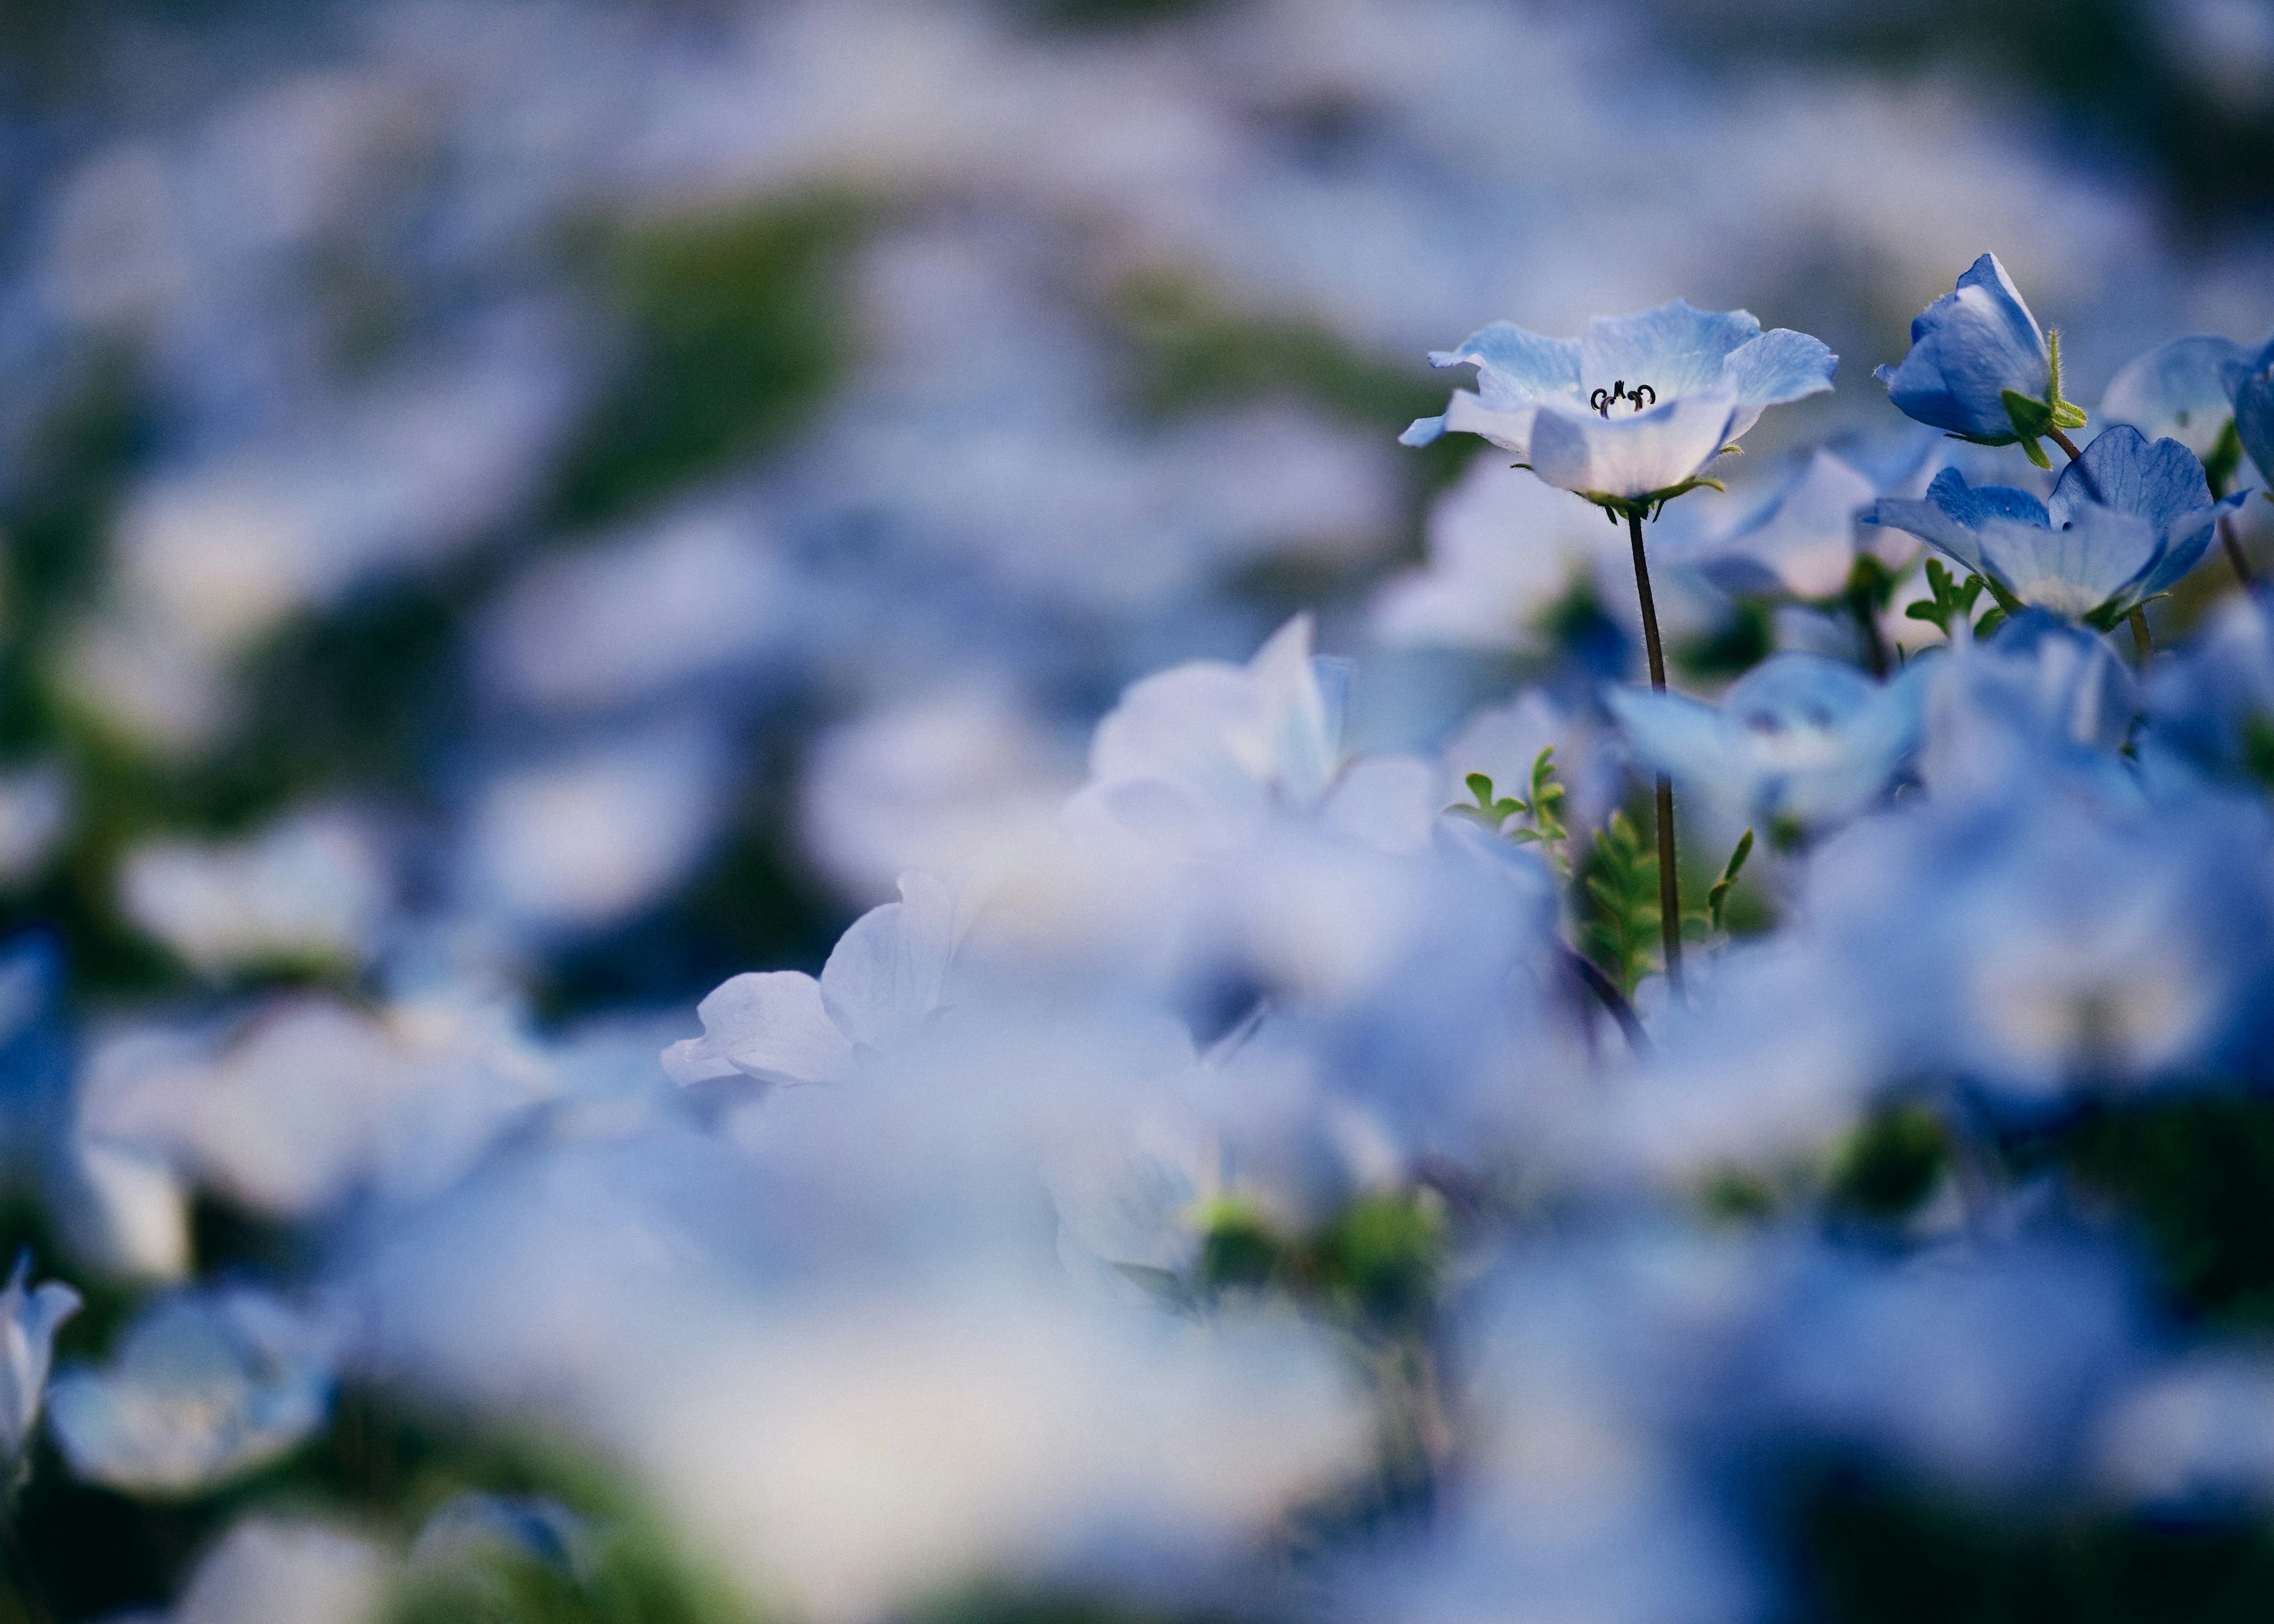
point(1509, 427)
point(2176, 389)
point(1422, 432)
point(1968, 348)
point(1675, 349)
point(2098, 558)
point(1516, 365)
point(1628, 455)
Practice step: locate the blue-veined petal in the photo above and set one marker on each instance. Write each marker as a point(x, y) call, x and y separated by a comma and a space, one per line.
point(2161, 481)
point(1776, 367)
point(1675, 349)
point(2074, 570)
point(1516, 365)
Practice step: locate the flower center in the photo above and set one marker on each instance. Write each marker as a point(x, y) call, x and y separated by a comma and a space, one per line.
point(1602, 399)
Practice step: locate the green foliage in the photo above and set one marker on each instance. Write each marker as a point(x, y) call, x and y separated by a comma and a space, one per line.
point(1880, 1553)
point(1733, 648)
point(1891, 1164)
point(1619, 922)
point(2226, 458)
point(2193, 1174)
point(1542, 814)
point(1718, 896)
point(738, 327)
point(1376, 1263)
point(629, 1576)
point(2033, 419)
point(1953, 602)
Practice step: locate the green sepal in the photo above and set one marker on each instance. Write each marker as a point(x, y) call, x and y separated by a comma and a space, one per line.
point(1648, 505)
point(2031, 419)
point(2226, 458)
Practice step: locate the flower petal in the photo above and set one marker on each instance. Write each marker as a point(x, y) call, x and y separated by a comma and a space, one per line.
point(2176, 389)
point(2162, 482)
point(768, 1024)
point(2072, 571)
point(1802, 543)
point(1516, 365)
point(1968, 348)
point(1675, 349)
point(1776, 367)
point(1631, 455)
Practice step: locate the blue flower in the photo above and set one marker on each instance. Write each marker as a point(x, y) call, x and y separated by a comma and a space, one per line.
point(29, 1318)
point(2126, 521)
point(1981, 368)
point(2249, 380)
point(1632, 413)
point(1799, 739)
point(2177, 391)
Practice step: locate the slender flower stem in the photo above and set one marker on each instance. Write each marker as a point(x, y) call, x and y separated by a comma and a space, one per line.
point(1670, 891)
point(2059, 437)
point(1867, 625)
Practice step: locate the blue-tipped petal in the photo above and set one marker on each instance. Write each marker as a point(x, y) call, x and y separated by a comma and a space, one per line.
point(1516, 365)
point(1953, 514)
point(1422, 432)
point(1675, 349)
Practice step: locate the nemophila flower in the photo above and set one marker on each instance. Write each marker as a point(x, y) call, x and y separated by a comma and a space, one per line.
point(1803, 542)
point(1632, 413)
point(2040, 697)
point(886, 977)
point(2249, 380)
point(29, 1318)
point(1981, 368)
point(2126, 521)
point(1799, 740)
point(199, 1389)
point(2179, 391)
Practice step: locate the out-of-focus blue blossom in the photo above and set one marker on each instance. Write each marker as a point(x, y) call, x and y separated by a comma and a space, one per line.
point(2213, 701)
point(2177, 391)
point(1982, 1373)
point(2194, 1438)
point(1799, 739)
point(1803, 542)
point(2126, 521)
point(1572, 408)
point(2040, 695)
point(1979, 367)
point(529, 1528)
point(29, 1318)
point(886, 976)
point(2249, 379)
point(201, 1388)
point(269, 1569)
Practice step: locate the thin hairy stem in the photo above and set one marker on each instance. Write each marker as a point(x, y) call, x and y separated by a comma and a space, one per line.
point(2059, 437)
point(1670, 893)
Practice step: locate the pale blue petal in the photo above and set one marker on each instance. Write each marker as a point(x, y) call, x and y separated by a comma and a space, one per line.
point(1422, 432)
point(1953, 514)
point(1515, 365)
point(1776, 367)
point(1630, 455)
point(1802, 543)
point(1671, 734)
point(2161, 481)
point(2072, 571)
point(2176, 389)
point(1675, 349)
point(1508, 427)
point(1987, 274)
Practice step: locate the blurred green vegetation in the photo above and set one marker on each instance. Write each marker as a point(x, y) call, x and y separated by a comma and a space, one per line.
point(738, 327)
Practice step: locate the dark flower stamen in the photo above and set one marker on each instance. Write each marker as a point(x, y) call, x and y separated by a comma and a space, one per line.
point(1602, 399)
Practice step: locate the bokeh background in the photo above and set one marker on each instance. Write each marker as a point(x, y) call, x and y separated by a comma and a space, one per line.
point(581, 495)
point(511, 512)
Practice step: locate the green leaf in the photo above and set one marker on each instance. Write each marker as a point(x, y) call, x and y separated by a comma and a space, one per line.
point(2030, 418)
point(1480, 785)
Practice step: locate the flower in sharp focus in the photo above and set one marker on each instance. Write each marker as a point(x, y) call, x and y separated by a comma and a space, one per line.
point(29, 1318)
point(2126, 521)
point(1799, 740)
point(1632, 413)
point(1981, 368)
point(2249, 379)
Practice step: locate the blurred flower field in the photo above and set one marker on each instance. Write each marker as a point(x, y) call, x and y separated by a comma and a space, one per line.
point(762, 858)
